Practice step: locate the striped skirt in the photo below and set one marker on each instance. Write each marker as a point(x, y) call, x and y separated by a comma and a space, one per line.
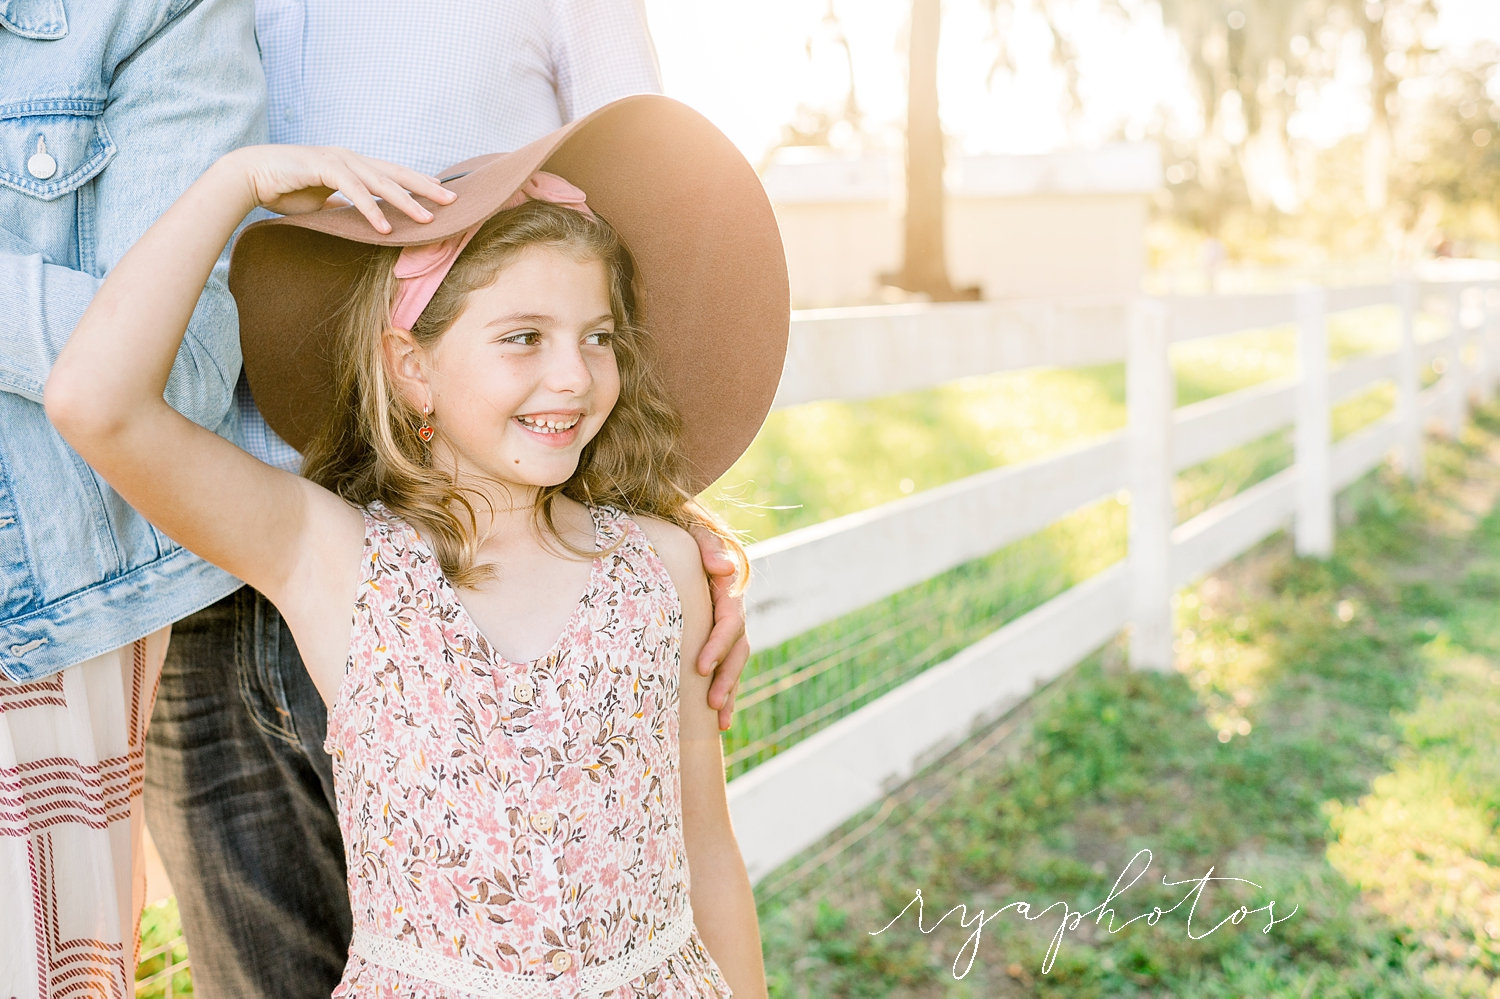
point(72, 878)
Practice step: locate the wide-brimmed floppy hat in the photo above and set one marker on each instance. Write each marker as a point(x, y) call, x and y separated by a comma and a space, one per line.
point(710, 268)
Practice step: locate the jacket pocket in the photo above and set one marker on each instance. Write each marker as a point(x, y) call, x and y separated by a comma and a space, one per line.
point(43, 19)
point(51, 148)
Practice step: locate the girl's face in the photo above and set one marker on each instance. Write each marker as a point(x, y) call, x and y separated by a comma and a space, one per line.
point(526, 375)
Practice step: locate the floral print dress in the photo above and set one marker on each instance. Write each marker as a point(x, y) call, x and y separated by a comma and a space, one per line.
point(514, 829)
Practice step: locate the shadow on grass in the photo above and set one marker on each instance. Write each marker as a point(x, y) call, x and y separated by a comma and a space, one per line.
point(1332, 736)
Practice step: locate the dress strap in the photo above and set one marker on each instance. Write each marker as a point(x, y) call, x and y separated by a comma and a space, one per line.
point(392, 544)
point(398, 955)
point(631, 543)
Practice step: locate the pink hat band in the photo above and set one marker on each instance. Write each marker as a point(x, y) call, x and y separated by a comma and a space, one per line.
point(421, 269)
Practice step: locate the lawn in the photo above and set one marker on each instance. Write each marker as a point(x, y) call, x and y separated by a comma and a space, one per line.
point(1331, 734)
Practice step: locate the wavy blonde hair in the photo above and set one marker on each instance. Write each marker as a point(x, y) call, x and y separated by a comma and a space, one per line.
point(368, 449)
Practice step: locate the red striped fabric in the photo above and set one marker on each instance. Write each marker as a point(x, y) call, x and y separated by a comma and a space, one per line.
point(68, 967)
point(70, 812)
point(38, 693)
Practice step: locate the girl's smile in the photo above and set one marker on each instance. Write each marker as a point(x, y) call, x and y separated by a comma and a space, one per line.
point(526, 375)
point(552, 429)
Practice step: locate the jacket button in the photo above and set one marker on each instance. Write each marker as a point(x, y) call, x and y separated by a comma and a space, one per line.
point(523, 691)
point(41, 165)
point(561, 962)
point(542, 822)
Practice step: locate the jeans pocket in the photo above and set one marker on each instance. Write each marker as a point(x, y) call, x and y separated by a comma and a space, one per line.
point(266, 642)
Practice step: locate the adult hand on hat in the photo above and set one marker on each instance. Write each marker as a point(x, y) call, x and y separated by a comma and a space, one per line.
point(294, 180)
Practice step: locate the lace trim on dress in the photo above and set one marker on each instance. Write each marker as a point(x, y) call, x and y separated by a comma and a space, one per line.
point(398, 955)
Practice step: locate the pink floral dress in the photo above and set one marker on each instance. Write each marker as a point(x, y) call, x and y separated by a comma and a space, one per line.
point(514, 829)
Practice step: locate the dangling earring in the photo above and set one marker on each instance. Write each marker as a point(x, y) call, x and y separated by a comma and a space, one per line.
point(425, 430)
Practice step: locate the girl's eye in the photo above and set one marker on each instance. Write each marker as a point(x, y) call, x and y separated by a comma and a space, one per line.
point(525, 338)
point(600, 338)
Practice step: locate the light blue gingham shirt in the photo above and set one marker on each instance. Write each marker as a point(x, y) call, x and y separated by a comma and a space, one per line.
point(433, 83)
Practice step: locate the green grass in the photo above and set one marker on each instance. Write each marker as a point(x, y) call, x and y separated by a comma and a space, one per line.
point(1332, 734)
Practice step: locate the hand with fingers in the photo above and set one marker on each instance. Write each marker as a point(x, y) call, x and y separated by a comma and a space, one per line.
point(728, 648)
point(293, 180)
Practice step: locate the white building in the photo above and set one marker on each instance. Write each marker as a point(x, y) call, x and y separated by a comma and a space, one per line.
point(1059, 224)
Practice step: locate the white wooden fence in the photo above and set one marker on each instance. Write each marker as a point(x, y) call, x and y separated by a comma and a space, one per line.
point(811, 576)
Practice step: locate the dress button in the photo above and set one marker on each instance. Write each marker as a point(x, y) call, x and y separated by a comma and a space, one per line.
point(561, 962)
point(41, 165)
point(541, 822)
point(523, 691)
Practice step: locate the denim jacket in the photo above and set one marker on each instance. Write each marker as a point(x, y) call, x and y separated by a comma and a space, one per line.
point(108, 110)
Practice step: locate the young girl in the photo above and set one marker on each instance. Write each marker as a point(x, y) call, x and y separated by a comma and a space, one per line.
point(489, 437)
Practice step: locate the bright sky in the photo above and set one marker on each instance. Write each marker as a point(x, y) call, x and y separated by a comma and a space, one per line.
point(745, 66)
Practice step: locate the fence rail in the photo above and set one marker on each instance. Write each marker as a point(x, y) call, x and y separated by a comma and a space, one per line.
point(812, 576)
point(817, 574)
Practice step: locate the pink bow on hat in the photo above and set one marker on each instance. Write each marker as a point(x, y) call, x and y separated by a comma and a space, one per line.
point(420, 269)
point(542, 186)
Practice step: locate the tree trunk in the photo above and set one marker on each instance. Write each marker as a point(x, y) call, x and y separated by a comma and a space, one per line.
point(924, 266)
point(1379, 142)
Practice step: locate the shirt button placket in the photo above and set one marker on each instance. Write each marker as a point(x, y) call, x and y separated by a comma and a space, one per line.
point(556, 959)
point(548, 857)
point(561, 961)
point(565, 966)
point(523, 690)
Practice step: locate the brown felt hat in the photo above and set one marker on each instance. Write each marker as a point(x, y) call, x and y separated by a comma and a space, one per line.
point(710, 267)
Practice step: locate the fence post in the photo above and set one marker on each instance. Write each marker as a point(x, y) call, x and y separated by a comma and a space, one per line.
point(1408, 382)
point(1483, 388)
point(1314, 433)
point(1150, 397)
point(1455, 391)
point(1489, 333)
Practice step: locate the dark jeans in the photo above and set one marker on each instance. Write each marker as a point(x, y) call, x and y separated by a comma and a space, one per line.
point(239, 799)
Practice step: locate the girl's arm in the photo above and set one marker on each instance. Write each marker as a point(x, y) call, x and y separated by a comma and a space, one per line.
point(723, 904)
point(295, 542)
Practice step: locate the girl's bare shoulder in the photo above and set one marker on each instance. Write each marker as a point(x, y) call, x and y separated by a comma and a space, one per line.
point(675, 546)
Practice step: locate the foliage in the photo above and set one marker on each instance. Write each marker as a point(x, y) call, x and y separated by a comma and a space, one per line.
point(163, 972)
point(1420, 173)
point(1454, 152)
